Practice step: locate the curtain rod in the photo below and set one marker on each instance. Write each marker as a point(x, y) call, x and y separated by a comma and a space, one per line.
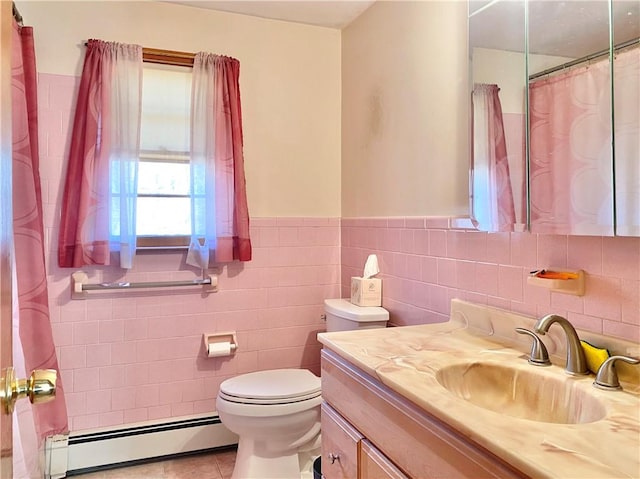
point(16, 15)
point(166, 57)
point(584, 59)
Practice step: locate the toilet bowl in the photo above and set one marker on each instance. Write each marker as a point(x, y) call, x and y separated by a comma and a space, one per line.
point(276, 413)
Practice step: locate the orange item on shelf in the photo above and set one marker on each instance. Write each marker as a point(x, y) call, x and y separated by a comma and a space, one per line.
point(544, 274)
point(556, 274)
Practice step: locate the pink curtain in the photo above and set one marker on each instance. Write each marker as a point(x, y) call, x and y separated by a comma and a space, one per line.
point(492, 195)
point(33, 315)
point(220, 216)
point(570, 156)
point(102, 170)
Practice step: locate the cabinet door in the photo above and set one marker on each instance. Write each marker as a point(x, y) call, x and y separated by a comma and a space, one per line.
point(374, 465)
point(340, 446)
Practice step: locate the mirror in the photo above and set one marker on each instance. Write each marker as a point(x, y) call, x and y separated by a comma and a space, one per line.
point(577, 137)
point(498, 172)
point(570, 154)
point(626, 118)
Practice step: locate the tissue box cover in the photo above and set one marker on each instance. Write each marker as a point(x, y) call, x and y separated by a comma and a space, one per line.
point(366, 291)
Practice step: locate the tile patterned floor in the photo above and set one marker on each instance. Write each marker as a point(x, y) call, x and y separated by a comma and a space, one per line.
point(216, 465)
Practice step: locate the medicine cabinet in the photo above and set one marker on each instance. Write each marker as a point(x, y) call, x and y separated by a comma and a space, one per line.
point(556, 105)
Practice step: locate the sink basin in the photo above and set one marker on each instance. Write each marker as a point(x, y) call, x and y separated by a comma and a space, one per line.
point(521, 393)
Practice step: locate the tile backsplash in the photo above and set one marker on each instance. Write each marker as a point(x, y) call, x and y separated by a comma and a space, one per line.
point(130, 356)
point(424, 263)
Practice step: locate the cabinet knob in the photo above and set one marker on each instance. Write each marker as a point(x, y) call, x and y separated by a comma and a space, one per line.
point(334, 457)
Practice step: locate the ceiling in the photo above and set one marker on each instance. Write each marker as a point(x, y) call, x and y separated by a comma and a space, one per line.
point(325, 13)
point(562, 28)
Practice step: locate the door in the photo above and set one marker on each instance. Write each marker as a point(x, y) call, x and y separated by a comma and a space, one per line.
point(6, 215)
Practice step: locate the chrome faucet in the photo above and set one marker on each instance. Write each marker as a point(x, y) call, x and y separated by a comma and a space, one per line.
point(576, 361)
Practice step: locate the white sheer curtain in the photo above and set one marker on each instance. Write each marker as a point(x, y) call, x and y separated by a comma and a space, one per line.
point(219, 212)
point(125, 65)
point(203, 140)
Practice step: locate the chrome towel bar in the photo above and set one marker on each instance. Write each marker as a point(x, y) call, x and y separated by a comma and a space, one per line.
point(80, 287)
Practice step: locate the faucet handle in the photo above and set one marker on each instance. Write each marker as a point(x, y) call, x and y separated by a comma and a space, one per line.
point(539, 355)
point(607, 377)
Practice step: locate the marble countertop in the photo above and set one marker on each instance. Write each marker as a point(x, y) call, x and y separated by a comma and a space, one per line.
point(407, 360)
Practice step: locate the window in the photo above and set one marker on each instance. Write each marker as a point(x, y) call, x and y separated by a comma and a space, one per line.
point(163, 204)
point(103, 184)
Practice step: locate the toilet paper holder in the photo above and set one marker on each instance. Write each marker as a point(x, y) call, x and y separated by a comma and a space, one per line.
point(220, 344)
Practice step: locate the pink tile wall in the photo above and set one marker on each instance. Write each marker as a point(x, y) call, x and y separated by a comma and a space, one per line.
point(138, 355)
point(424, 264)
point(134, 356)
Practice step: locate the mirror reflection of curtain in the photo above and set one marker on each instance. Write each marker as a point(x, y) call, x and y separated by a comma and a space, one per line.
point(492, 197)
point(626, 86)
point(571, 180)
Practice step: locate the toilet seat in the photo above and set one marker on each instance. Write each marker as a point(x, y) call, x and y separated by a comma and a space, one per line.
point(272, 387)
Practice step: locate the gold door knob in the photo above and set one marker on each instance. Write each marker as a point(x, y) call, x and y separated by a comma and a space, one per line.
point(40, 387)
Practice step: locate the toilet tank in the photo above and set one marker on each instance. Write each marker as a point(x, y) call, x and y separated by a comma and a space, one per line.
point(343, 316)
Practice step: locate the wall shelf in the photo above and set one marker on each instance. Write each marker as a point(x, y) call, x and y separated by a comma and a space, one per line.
point(559, 280)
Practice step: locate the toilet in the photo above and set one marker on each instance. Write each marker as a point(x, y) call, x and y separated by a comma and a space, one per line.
point(276, 413)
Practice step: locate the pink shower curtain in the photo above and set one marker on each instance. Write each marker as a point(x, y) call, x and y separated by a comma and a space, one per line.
point(220, 214)
point(33, 315)
point(570, 155)
point(626, 78)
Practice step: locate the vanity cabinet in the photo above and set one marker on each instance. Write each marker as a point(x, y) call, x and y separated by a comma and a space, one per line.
point(380, 434)
point(348, 455)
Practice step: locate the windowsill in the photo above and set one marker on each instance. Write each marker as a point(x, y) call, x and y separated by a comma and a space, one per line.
point(163, 242)
point(162, 248)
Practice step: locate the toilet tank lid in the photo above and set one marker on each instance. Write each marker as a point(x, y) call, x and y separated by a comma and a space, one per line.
point(347, 310)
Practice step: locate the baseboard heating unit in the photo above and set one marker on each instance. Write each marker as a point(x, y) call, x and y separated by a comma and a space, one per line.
point(86, 451)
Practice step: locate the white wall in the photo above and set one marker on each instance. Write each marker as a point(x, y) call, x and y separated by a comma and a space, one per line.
point(289, 83)
point(405, 110)
point(507, 70)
